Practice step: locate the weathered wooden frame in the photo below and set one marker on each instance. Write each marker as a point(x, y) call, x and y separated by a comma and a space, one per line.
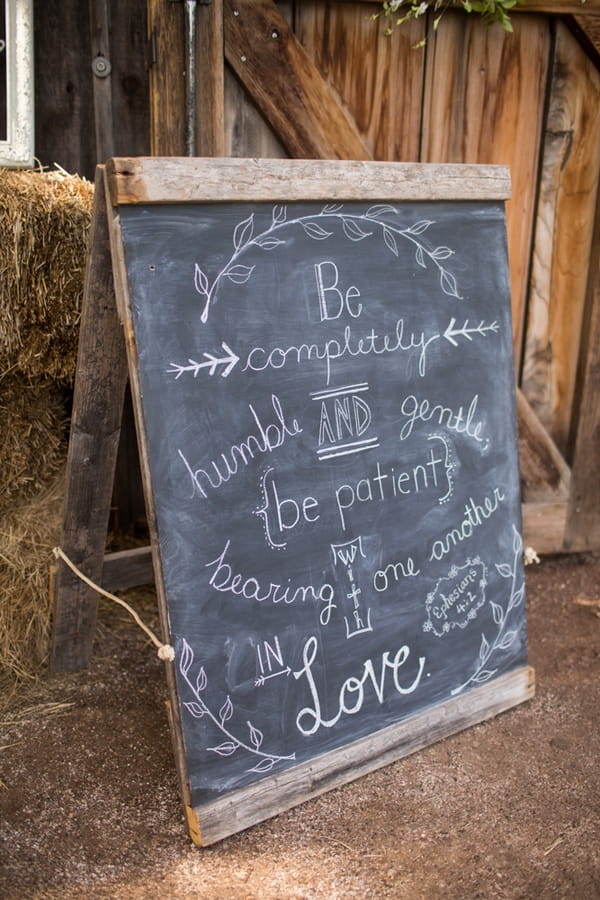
point(17, 149)
point(101, 380)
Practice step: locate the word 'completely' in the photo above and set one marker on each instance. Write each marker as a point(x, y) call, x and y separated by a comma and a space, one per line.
point(369, 344)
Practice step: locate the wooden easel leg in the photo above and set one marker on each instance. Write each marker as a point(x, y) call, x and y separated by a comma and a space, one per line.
point(95, 428)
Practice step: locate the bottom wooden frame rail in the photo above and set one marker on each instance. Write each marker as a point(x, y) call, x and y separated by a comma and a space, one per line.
point(276, 794)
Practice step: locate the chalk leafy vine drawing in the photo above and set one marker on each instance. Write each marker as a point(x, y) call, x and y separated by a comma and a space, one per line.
point(504, 637)
point(197, 708)
point(354, 227)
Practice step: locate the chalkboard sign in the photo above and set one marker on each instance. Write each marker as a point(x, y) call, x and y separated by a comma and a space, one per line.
point(325, 402)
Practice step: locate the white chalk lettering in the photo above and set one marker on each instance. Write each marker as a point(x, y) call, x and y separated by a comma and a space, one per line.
point(259, 359)
point(225, 580)
point(332, 307)
point(447, 601)
point(475, 514)
point(264, 440)
point(430, 474)
point(281, 514)
point(351, 696)
point(393, 572)
point(454, 420)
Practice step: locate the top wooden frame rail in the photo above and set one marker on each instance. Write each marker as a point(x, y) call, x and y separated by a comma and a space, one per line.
point(193, 179)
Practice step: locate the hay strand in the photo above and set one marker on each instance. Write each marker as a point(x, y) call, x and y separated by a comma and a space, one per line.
point(44, 225)
point(27, 534)
point(33, 429)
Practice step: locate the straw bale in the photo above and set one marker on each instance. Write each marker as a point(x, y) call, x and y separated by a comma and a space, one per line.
point(33, 429)
point(44, 227)
point(28, 532)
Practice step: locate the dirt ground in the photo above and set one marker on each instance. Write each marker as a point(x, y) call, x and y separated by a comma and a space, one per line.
point(89, 804)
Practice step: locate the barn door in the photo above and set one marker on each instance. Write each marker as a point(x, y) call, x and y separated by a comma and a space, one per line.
point(321, 80)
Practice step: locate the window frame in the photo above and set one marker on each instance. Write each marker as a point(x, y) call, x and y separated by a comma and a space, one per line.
point(18, 148)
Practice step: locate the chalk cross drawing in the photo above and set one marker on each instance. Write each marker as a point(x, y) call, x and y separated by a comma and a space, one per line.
point(346, 554)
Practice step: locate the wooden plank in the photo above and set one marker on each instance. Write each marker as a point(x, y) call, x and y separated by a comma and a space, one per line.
point(545, 475)
point(128, 511)
point(151, 180)
point(583, 519)
point(127, 568)
point(279, 793)
point(544, 526)
point(101, 79)
point(166, 28)
point(210, 87)
point(384, 92)
point(130, 90)
point(286, 85)
point(587, 31)
point(246, 132)
point(118, 35)
point(563, 238)
point(63, 86)
point(122, 295)
point(484, 104)
point(95, 428)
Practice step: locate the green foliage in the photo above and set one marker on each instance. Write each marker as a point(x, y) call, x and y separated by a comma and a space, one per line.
point(396, 12)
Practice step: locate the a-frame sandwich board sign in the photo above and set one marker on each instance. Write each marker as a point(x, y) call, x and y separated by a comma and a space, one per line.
point(320, 359)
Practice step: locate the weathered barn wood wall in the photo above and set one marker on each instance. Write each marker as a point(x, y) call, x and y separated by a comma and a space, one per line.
point(318, 79)
point(80, 118)
point(568, 188)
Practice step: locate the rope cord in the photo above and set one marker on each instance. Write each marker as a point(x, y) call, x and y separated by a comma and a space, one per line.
point(165, 651)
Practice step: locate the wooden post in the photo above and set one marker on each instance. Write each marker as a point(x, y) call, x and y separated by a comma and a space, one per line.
point(167, 78)
point(95, 429)
point(583, 518)
point(210, 80)
point(102, 88)
point(286, 85)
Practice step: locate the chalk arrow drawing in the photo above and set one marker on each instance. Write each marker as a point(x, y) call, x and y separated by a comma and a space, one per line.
point(262, 678)
point(451, 332)
point(211, 362)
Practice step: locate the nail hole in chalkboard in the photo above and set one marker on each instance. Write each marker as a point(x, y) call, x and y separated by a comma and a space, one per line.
point(152, 268)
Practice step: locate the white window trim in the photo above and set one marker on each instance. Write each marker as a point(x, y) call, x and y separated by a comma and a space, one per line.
point(18, 149)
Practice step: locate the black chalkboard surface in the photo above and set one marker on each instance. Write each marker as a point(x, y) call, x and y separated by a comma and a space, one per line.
point(326, 406)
